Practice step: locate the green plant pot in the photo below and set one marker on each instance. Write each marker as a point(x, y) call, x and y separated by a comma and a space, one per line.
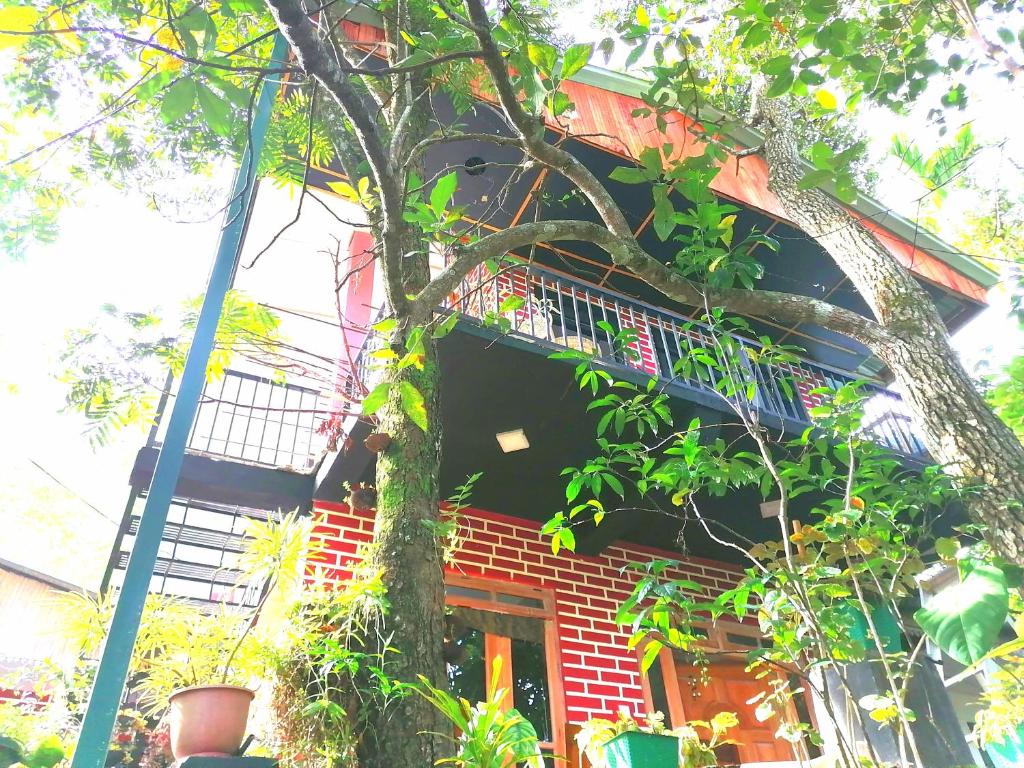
point(886, 624)
point(636, 749)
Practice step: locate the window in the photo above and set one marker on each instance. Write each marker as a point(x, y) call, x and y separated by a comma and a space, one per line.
point(487, 621)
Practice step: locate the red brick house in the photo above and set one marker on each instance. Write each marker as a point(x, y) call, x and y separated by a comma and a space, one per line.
point(258, 445)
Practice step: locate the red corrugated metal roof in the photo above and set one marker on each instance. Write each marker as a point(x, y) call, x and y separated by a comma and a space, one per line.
point(605, 119)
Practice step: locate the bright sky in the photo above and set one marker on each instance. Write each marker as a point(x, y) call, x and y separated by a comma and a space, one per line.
point(116, 250)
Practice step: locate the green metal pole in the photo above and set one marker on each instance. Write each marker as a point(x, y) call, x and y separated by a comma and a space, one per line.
point(101, 713)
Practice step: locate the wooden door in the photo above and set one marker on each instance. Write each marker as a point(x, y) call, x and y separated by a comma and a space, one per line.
point(728, 689)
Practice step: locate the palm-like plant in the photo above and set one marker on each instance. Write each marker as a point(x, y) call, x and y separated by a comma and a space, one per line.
point(487, 735)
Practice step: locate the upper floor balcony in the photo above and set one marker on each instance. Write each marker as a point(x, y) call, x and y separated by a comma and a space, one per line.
point(554, 311)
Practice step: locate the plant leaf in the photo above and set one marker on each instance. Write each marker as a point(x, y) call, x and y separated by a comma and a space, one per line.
point(178, 100)
point(377, 397)
point(442, 192)
point(413, 404)
point(966, 621)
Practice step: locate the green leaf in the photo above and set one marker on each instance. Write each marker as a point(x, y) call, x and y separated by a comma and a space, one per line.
point(664, 213)
point(567, 539)
point(780, 85)
point(10, 751)
point(651, 651)
point(946, 547)
point(178, 100)
point(216, 110)
point(150, 87)
point(511, 303)
point(377, 397)
point(966, 619)
point(413, 404)
point(778, 66)
point(47, 753)
point(628, 175)
point(576, 58)
point(524, 745)
point(442, 192)
point(446, 326)
point(542, 56)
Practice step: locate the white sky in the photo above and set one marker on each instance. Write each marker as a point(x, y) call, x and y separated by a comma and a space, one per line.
point(115, 250)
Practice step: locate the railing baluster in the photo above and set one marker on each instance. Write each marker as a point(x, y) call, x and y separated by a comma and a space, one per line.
point(590, 316)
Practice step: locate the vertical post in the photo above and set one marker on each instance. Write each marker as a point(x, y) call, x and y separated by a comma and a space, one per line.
point(101, 712)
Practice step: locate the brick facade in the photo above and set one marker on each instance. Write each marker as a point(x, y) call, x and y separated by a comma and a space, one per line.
point(600, 673)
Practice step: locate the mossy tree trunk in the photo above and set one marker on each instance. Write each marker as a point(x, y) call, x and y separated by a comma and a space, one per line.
point(407, 553)
point(960, 430)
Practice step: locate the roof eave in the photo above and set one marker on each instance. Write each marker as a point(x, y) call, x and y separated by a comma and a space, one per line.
point(865, 205)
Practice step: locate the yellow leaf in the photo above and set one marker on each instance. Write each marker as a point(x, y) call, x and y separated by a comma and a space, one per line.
point(865, 545)
point(18, 18)
point(344, 189)
point(641, 16)
point(826, 99)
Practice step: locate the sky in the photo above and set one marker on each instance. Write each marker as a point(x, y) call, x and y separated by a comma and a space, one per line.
point(115, 249)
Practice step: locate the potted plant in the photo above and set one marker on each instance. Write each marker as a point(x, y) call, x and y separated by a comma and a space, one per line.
point(200, 664)
point(626, 743)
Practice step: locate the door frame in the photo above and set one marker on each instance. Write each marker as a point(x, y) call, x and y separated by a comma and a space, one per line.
point(717, 643)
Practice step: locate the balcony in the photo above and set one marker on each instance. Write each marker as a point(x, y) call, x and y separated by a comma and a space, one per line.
point(558, 312)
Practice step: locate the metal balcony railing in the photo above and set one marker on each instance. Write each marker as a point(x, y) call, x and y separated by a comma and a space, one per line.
point(561, 312)
point(257, 420)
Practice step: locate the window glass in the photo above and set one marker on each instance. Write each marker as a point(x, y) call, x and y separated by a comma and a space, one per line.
point(659, 696)
point(530, 602)
point(467, 675)
point(476, 594)
point(530, 693)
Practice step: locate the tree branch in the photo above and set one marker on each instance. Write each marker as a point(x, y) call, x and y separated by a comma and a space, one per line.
point(317, 62)
point(625, 252)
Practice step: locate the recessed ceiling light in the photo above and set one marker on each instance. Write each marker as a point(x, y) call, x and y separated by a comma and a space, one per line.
point(513, 440)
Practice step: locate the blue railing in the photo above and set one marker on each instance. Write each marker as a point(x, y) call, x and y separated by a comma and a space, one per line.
point(562, 312)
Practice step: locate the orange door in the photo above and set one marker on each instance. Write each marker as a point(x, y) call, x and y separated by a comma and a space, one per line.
point(728, 689)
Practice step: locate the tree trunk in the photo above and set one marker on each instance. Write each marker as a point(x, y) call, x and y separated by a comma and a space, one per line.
point(407, 553)
point(961, 432)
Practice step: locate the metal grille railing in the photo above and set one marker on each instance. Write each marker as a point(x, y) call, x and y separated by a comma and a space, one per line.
point(564, 313)
point(198, 554)
point(258, 420)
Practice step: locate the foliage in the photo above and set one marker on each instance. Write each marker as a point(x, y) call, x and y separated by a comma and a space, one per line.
point(180, 644)
point(489, 734)
point(1003, 698)
point(46, 754)
point(115, 368)
point(330, 671)
point(1007, 395)
point(838, 586)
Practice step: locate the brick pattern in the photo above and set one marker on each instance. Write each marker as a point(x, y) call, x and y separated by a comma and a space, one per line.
point(805, 380)
point(599, 672)
point(647, 361)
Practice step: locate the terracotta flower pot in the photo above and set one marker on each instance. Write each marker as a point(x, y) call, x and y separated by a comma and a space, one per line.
point(208, 720)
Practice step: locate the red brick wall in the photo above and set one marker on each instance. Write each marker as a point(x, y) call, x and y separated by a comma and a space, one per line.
point(600, 674)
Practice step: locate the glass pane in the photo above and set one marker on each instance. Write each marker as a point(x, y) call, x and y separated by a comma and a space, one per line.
point(476, 594)
point(467, 676)
point(530, 685)
point(658, 693)
point(530, 602)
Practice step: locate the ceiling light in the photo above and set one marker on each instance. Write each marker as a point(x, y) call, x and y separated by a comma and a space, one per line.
point(514, 440)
